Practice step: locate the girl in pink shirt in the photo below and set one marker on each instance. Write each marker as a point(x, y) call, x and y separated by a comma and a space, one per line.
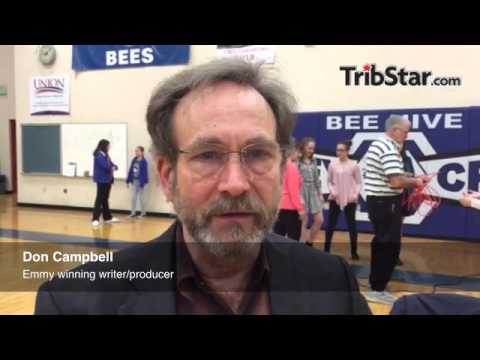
point(344, 181)
point(292, 210)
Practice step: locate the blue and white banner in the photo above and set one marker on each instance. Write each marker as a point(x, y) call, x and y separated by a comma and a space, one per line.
point(101, 57)
point(444, 141)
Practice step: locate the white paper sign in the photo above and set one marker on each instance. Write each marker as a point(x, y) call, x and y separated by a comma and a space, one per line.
point(250, 53)
point(71, 170)
point(50, 95)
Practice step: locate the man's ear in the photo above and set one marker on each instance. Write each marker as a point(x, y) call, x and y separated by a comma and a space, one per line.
point(165, 171)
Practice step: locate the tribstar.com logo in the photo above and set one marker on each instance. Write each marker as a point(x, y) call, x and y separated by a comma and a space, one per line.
point(369, 75)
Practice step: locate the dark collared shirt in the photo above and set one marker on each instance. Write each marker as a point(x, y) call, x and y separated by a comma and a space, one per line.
point(193, 296)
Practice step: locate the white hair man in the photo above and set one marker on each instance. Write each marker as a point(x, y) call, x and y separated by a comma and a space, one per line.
point(384, 181)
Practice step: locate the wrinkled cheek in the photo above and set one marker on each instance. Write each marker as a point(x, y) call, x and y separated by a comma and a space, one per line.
point(191, 200)
point(276, 188)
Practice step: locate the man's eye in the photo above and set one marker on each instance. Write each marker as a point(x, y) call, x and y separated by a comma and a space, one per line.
point(208, 156)
point(258, 154)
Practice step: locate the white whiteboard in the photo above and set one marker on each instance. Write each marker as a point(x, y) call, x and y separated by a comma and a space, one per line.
point(80, 140)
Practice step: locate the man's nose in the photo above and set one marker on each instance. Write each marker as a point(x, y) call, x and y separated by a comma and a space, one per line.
point(234, 179)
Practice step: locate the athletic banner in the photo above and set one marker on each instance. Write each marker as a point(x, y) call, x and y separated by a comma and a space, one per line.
point(444, 141)
point(101, 57)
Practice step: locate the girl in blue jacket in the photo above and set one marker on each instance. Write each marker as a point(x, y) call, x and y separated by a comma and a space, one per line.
point(103, 169)
point(138, 177)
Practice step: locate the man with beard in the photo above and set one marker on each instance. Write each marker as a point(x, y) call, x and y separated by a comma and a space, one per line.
point(220, 132)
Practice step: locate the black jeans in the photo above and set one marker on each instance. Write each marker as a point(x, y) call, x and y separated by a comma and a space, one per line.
point(289, 224)
point(385, 214)
point(101, 202)
point(333, 213)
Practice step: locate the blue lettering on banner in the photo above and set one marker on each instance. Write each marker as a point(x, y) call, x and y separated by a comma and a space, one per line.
point(98, 57)
point(474, 172)
point(444, 174)
point(442, 141)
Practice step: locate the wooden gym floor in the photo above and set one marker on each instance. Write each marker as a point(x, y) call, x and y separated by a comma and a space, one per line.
point(429, 265)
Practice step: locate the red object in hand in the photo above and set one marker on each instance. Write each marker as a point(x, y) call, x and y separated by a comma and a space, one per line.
point(424, 194)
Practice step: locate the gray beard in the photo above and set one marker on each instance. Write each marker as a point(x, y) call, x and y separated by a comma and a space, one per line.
point(243, 245)
point(235, 243)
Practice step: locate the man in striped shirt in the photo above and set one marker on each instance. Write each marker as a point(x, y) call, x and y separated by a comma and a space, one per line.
point(384, 181)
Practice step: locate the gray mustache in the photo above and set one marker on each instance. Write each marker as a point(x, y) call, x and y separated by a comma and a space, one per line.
point(226, 205)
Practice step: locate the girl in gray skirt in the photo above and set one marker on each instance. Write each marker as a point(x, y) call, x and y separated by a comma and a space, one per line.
point(311, 191)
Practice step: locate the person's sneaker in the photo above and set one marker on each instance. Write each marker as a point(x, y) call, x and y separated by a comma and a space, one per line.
point(355, 257)
point(372, 296)
point(131, 215)
point(140, 216)
point(381, 297)
point(399, 262)
point(112, 220)
point(389, 297)
point(95, 223)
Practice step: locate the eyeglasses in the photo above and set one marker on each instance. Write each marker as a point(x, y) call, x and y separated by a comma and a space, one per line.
point(209, 159)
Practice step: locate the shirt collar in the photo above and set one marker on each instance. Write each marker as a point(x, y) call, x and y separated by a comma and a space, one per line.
point(397, 145)
point(186, 269)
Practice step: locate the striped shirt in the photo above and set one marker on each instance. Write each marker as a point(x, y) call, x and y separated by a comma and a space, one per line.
point(383, 160)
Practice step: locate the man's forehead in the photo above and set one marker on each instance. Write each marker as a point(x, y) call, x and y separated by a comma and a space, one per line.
point(221, 97)
point(405, 124)
point(223, 110)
